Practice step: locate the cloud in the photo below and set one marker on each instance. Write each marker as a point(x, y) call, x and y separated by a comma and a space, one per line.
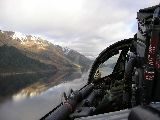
point(87, 26)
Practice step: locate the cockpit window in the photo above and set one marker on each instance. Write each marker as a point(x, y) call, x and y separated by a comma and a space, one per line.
point(107, 67)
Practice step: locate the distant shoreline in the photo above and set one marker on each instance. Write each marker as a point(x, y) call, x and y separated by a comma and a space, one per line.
point(27, 72)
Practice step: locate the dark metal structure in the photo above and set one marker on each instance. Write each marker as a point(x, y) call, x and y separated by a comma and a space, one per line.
point(134, 81)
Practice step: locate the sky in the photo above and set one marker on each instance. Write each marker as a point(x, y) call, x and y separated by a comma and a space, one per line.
point(88, 26)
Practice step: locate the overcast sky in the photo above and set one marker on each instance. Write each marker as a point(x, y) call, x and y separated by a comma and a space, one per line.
point(87, 26)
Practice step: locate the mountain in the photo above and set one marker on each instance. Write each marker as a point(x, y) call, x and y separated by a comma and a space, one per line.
point(76, 57)
point(11, 59)
point(63, 59)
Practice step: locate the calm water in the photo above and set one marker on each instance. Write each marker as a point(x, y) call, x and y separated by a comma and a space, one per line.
point(21, 107)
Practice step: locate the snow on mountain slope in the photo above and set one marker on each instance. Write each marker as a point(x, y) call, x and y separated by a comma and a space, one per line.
point(18, 35)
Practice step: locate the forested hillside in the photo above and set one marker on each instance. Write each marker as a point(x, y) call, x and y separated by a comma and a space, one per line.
point(12, 60)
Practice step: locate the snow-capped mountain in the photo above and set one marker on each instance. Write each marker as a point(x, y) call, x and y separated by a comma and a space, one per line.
point(76, 57)
point(46, 52)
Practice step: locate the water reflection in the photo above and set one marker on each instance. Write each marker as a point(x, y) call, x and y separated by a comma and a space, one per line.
point(33, 108)
point(11, 84)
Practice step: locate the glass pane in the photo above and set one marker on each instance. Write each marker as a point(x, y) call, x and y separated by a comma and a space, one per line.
point(107, 67)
